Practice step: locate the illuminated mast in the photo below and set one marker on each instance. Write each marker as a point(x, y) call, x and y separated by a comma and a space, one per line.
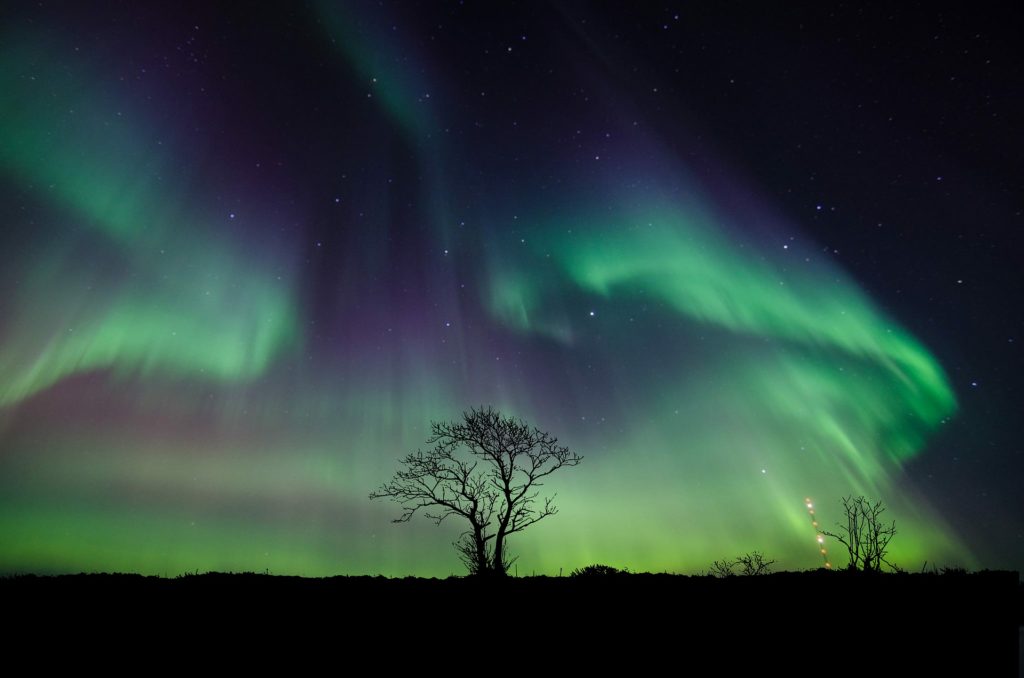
point(820, 537)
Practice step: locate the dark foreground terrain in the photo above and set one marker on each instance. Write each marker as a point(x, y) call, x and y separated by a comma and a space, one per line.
point(823, 623)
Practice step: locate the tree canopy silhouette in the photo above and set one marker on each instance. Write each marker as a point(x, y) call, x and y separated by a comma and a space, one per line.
point(485, 469)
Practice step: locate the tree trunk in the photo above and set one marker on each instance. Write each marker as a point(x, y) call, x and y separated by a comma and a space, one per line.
point(498, 567)
point(481, 550)
point(481, 553)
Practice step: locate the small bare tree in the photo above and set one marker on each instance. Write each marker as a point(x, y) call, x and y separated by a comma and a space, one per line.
point(750, 564)
point(754, 564)
point(722, 569)
point(485, 469)
point(865, 536)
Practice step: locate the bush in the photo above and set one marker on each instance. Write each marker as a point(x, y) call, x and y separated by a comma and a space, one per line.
point(754, 564)
point(597, 571)
point(722, 569)
point(751, 565)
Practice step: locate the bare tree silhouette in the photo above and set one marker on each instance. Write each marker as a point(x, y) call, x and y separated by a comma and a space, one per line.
point(750, 564)
point(485, 469)
point(865, 536)
point(754, 564)
point(722, 569)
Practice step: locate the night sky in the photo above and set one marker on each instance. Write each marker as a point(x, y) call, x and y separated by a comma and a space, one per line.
point(734, 256)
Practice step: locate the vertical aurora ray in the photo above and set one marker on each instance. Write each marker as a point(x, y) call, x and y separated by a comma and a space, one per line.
point(180, 390)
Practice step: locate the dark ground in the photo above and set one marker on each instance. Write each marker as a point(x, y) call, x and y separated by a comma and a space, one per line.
point(827, 623)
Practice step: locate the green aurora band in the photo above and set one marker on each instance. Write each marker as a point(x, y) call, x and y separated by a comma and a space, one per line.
point(176, 306)
point(162, 408)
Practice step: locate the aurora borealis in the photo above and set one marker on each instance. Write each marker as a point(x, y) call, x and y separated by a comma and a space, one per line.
point(248, 256)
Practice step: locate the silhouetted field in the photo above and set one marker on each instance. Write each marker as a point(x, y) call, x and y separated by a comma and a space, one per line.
point(835, 621)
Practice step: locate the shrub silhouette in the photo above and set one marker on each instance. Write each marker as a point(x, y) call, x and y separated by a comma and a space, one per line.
point(722, 569)
point(597, 570)
point(751, 565)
